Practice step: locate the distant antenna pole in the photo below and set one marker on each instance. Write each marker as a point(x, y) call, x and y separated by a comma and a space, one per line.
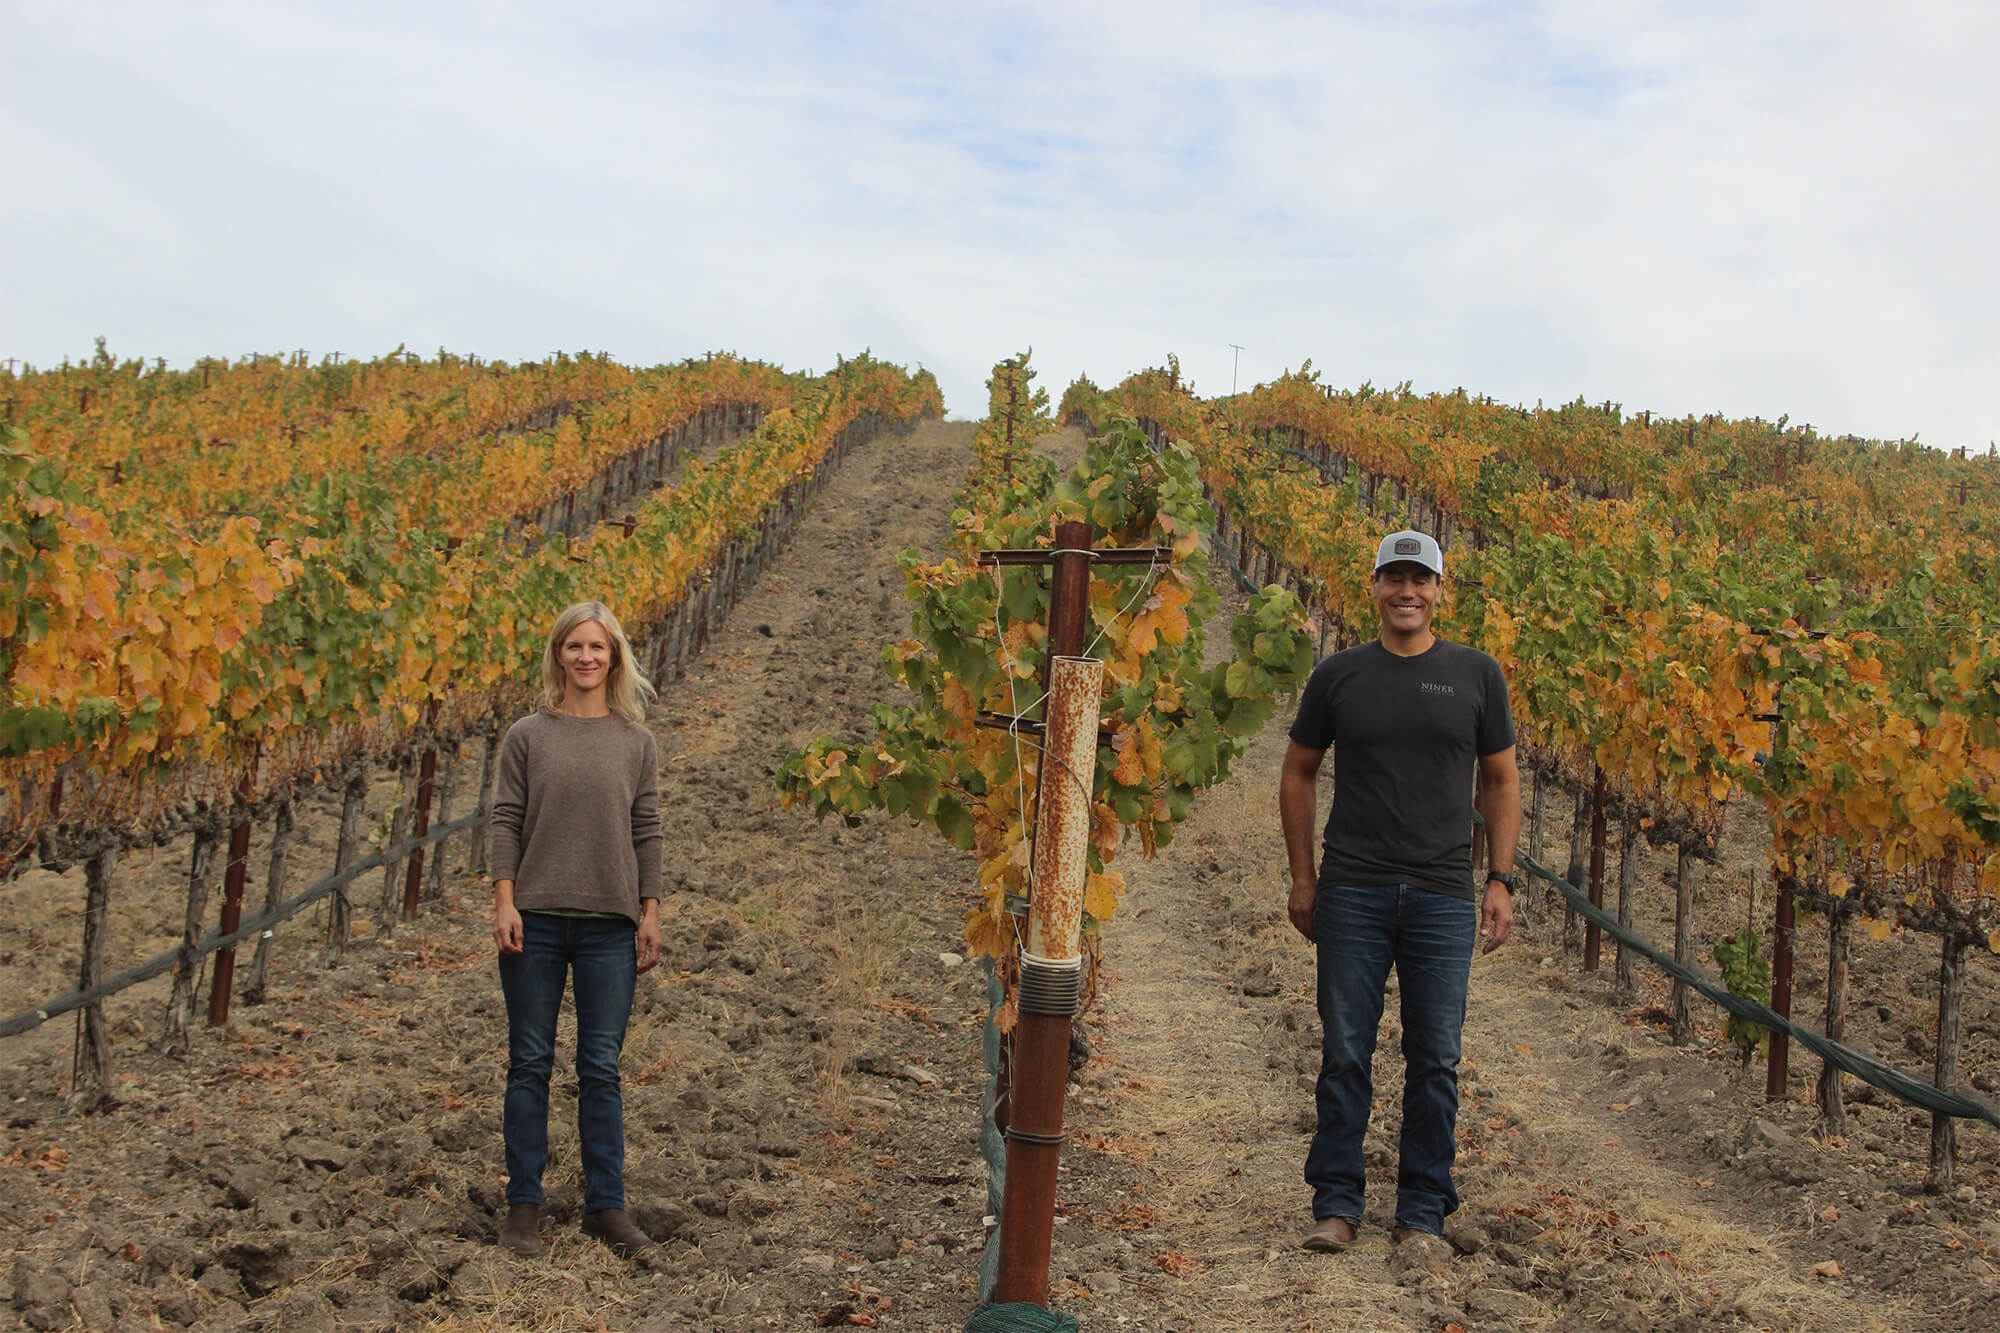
point(1233, 362)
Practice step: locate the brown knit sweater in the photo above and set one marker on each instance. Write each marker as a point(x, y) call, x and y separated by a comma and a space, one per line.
point(576, 814)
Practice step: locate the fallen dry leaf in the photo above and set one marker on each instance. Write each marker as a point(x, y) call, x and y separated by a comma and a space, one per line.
point(1831, 1268)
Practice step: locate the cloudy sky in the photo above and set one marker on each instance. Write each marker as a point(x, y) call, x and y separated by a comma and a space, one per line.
point(1759, 209)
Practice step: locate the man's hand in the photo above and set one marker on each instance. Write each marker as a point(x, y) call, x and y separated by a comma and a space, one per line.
point(647, 941)
point(1305, 892)
point(1496, 915)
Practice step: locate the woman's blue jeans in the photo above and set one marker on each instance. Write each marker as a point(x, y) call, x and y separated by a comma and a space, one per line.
point(597, 954)
point(1428, 938)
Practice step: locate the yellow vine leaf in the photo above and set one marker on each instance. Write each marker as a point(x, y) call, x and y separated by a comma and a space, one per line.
point(1131, 769)
point(1102, 891)
point(985, 935)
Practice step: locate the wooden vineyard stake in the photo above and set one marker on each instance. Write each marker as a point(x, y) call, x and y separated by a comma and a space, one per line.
point(282, 827)
point(1479, 823)
point(1684, 871)
point(477, 851)
point(1592, 937)
point(90, 1066)
point(1579, 842)
point(447, 781)
point(233, 876)
point(413, 880)
point(1951, 997)
point(1627, 959)
point(1778, 1050)
point(389, 905)
point(340, 913)
point(1537, 808)
point(1832, 1101)
point(1777, 1054)
point(187, 970)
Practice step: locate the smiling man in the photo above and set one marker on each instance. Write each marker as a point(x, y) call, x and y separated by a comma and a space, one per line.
point(1410, 718)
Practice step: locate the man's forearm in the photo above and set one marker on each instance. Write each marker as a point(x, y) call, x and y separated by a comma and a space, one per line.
point(1501, 806)
point(1298, 802)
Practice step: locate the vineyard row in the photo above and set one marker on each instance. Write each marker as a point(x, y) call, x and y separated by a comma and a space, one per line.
point(667, 634)
point(1258, 543)
point(301, 661)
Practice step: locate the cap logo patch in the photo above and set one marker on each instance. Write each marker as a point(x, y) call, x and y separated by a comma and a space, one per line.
point(1409, 546)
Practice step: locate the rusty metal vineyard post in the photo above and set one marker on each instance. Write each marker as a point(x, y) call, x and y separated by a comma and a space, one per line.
point(1035, 1060)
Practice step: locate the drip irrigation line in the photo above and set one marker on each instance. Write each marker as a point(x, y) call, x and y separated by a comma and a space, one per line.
point(1866, 1068)
point(1243, 582)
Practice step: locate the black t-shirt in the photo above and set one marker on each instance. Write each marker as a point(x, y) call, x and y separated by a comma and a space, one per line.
point(1406, 733)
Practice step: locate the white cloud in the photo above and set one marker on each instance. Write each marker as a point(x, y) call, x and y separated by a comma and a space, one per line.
point(1757, 209)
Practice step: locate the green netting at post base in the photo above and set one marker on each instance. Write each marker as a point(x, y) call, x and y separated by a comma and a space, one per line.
point(1019, 1317)
point(991, 1146)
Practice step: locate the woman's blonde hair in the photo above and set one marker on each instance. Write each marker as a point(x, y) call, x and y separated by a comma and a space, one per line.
point(626, 689)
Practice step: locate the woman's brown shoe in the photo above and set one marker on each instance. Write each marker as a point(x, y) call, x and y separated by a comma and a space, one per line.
point(521, 1232)
point(615, 1229)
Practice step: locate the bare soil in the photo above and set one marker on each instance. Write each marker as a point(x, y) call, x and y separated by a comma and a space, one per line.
point(803, 1076)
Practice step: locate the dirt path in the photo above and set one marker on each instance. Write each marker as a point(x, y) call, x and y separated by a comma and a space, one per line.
point(802, 1083)
point(798, 1074)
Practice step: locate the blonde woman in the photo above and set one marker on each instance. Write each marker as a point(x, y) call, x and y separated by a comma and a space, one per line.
point(576, 891)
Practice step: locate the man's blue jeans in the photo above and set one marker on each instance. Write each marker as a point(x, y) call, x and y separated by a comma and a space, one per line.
point(598, 954)
point(1428, 938)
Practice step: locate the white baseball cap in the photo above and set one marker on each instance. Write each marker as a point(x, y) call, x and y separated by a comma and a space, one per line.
point(1419, 548)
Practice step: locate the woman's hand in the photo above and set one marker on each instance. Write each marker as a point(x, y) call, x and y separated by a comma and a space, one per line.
point(506, 921)
point(647, 940)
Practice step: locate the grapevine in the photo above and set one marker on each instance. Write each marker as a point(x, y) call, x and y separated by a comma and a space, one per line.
point(978, 643)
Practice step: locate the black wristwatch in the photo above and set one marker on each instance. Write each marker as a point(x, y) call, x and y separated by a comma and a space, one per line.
point(1507, 878)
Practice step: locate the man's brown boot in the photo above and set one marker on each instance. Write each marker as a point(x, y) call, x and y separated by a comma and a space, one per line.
point(1329, 1235)
point(616, 1230)
point(521, 1232)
